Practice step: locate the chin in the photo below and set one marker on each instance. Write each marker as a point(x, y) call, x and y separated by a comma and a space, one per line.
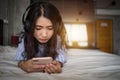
point(43, 42)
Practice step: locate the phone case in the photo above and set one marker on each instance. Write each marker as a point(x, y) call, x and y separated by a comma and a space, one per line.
point(42, 60)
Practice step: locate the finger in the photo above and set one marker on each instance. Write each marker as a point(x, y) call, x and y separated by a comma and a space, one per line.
point(47, 69)
point(57, 68)
point(54, 62)
point(53, 68)
point(38, 68)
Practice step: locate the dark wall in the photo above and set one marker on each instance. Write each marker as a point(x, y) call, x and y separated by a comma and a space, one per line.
point(1, 32)
point(31, 1)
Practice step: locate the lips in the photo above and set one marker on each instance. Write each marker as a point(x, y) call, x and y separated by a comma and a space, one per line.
point(43, 40)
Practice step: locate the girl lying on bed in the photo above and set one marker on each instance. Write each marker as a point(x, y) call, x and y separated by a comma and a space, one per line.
point(44, 36)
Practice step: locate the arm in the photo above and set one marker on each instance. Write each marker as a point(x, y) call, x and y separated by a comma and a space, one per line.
point(24, 64)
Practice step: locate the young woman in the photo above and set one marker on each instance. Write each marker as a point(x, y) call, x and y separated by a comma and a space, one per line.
point(44, 36)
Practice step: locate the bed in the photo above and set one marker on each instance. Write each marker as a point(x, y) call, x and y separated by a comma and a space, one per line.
point(82, 64)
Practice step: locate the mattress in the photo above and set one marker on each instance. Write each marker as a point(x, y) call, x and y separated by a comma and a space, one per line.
point(82, 64)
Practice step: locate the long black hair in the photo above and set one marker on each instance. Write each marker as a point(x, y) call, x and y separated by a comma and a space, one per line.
point(51, 13)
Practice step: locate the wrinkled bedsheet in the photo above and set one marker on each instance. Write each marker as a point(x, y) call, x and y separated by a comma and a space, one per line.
point(82, 64)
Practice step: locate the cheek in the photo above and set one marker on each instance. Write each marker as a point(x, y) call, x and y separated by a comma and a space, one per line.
point(36, 33)
point(51, 33)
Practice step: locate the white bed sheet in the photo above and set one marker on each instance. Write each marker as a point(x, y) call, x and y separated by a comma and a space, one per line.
point(82, 64)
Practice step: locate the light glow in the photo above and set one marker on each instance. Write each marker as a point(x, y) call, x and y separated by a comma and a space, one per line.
point(77, 33)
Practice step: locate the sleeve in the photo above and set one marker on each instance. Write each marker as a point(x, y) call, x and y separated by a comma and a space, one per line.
point(61, 56)
point(61, 52)
point(20, 50)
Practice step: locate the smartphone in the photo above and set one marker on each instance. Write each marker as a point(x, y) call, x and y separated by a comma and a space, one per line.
point(42, 60)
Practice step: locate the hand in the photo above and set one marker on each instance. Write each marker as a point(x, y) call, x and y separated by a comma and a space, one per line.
point(29, 67)
point(54, 67)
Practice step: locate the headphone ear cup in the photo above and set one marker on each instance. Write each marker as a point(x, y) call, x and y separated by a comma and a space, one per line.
point(26, 26)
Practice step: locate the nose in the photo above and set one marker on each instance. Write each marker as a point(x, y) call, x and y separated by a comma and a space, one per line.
point(44, 33)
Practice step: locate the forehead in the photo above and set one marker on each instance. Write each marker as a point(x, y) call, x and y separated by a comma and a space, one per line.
point(43, 21)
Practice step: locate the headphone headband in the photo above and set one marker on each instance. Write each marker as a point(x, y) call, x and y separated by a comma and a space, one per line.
point(24, 14)
point(24, 21)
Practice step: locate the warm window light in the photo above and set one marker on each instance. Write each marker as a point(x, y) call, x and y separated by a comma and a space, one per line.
point(70, 43)
point(83, 43)
point(77, 33)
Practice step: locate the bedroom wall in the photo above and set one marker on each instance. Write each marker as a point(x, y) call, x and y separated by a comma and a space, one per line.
point(4, 17)
point(110, 9)
point(11, 12)
point(116, 36)
point(77, 14)
point(81, 12)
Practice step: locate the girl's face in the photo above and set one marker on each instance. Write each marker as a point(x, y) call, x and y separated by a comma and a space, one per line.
point(43, 29)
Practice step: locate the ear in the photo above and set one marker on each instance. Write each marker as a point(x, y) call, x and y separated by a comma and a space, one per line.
point(26, 26)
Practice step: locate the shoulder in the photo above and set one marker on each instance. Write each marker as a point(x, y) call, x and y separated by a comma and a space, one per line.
point(59, 42)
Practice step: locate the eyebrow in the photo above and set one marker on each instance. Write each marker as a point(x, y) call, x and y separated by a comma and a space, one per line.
point(43, 26)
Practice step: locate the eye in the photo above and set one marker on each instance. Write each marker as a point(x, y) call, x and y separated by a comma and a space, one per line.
point(38, 27)
point(50, 28)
